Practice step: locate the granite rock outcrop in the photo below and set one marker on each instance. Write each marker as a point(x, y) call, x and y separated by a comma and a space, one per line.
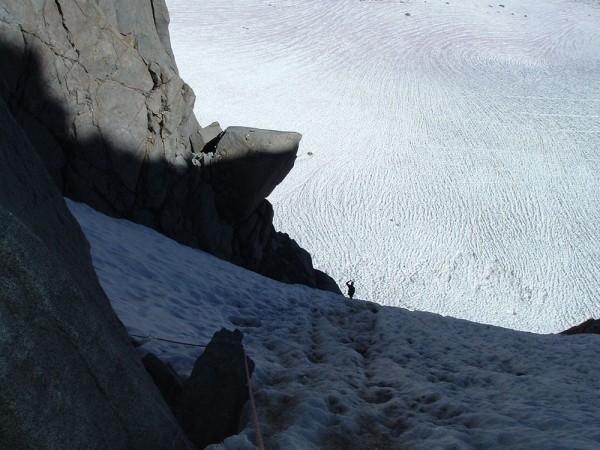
point(211, 401)
point(70, 377)
point(588, 326)
point(95, 87)
point(245, 167)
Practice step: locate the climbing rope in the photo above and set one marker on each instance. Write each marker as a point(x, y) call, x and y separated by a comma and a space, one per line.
point(259, 439)
point(154, 338)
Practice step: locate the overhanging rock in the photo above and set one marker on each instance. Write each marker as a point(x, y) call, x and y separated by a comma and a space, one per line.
point(248, 163)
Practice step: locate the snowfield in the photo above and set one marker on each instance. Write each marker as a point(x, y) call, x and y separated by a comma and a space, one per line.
point(336, 373)
point(451, 149)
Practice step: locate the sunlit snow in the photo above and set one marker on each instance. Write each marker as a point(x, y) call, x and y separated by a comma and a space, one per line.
point(349, 374)
point(451, 148)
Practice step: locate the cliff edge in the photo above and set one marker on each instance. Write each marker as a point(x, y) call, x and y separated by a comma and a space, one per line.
point(94, 85)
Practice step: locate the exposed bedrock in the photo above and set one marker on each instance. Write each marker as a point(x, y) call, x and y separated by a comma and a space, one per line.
point(211, 401)
point(588, 326)
point(165, 378)
point(246, 166)
point(95, 87)
point(69, 375)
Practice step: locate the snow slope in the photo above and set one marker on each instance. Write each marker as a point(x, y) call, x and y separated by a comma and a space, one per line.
point(338, 373)
point(451, 149)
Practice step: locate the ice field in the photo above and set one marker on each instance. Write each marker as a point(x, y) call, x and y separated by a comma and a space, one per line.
point(451, 150)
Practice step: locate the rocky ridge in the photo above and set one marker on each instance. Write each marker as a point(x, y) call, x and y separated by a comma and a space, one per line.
point(588, 326)
point(96, 89)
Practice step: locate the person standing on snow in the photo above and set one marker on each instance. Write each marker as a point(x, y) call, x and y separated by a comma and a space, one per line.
point(351, 289)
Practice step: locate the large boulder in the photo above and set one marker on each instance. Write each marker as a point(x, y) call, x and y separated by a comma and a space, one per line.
point(247, 164)
point(283, 255)
point(69, 375)
point(210, 404)
point(95, 87)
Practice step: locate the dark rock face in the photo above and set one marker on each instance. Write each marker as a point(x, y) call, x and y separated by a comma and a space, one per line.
point(212, 398)
point(165, 378)
point(95, 87)
point(246, 166)
point(283, 254)
point(589, 326)
point(69, 376)
point(326, 283)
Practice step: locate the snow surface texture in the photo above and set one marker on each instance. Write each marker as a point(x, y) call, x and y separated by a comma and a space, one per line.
point(338, 373)
point(451, 148)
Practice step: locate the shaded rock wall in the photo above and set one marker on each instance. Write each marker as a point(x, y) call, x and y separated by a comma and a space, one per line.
point(95, 86)
point(588, 326)
point(212, 399)
point(246, 166)
point(69, 376)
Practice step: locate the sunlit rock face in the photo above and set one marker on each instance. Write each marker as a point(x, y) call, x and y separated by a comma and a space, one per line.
point(95, 87)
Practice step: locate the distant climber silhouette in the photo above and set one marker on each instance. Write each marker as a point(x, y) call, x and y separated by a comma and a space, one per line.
point(351, 289)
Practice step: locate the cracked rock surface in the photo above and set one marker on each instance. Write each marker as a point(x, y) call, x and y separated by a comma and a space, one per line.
point(95, 87)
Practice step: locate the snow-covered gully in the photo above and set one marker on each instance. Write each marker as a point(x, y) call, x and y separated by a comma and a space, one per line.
point(338, 373)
